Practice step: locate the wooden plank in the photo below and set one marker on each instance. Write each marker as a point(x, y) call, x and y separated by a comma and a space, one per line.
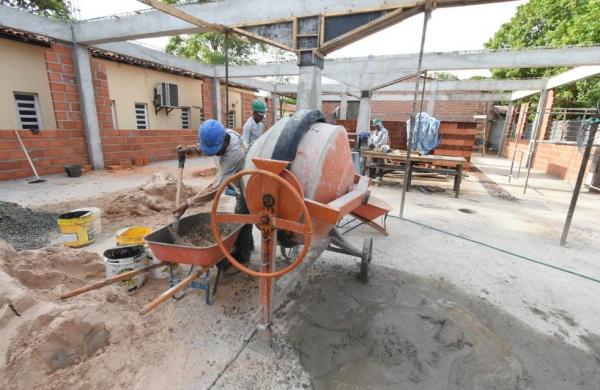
point(259, 38)
point(176, 12)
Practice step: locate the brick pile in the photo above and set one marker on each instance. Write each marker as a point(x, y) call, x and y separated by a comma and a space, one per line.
point(458, 139)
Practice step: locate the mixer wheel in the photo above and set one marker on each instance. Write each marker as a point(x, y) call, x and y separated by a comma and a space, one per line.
point(365, 262)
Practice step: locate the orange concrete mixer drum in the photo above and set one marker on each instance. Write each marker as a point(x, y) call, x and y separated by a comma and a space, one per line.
point(320, 160)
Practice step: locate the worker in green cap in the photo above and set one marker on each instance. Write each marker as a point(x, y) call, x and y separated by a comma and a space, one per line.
point(380, 136)
point(254, 126)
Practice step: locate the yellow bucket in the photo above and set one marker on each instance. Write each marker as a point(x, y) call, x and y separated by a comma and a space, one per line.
point(133, 235)
point(78, 226)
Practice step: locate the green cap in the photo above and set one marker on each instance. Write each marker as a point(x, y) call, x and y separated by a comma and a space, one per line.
point(259, 106)
point(376, 121)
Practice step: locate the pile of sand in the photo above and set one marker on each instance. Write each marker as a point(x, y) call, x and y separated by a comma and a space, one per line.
point(153, 197)
point(91, 341)
point(206, 172)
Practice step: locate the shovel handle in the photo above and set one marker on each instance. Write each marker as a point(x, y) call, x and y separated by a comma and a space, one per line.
point(108, 281)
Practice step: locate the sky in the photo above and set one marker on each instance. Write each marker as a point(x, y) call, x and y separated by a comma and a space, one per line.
point(450, 29)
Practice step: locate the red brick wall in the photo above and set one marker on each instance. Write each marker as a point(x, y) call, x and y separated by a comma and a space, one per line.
point(103, 106)
point(401, 111)
point(208, 102)
point(562, 161)
point(154, 145)
point(247, 100)
point(63, 87)
point(49, 150)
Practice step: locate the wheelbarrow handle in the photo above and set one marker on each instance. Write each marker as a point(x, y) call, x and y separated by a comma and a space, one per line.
point(173, 290)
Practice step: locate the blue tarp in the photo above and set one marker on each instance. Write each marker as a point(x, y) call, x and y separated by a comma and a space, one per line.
point(426, 137)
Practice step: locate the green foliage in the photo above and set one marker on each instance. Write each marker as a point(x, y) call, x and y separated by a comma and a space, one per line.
point(209, 48)
point(444, 76)
point(478, 77)
point(59, 9)
point(552, 23)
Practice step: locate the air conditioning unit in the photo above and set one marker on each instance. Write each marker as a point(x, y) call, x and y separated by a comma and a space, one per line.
point(166, 95)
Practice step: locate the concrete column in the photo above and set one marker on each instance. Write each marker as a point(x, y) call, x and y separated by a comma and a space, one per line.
point(537, 125)
point(275, 100)
point(344, 106)
point(217, 98)
point(364, 112)
point(431, 99)
point(87, 100)
point(309, 88)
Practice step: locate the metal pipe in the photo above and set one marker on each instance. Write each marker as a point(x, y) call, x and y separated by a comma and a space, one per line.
point(414, 108)
point(580, 175)
point(226, 79)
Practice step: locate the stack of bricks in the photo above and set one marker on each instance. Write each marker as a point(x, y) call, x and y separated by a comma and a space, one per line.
point(396, 134)
point(458, 139)
point(103, 105)
point(63, 87)
point(208, 103)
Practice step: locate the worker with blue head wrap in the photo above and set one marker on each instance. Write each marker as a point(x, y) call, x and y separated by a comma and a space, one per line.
point(227, 145)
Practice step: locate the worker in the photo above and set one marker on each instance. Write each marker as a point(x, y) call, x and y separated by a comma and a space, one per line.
point(380, 135)
point(227, 145)
point(254, 126)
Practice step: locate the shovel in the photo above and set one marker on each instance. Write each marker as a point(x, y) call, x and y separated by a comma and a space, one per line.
point(37, 177)
point(180, 164)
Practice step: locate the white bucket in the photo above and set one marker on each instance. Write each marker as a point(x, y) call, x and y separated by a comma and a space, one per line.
point(126, 258)
point(97, 225)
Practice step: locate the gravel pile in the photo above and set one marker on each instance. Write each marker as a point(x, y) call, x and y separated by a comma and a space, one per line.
point(24, 228)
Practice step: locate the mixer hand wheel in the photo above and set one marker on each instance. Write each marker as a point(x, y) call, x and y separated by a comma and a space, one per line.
point(266, 221)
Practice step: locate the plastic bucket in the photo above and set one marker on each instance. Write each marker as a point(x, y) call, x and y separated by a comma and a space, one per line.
point(77, 227)
point(98, 217)
point(126, 258)
point(133, 235)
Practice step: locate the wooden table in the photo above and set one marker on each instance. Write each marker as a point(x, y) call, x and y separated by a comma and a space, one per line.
point(382, 163)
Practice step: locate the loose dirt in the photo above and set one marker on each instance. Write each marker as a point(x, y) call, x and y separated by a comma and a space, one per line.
point(202, 236)
point(153, 197)
point(25, 228)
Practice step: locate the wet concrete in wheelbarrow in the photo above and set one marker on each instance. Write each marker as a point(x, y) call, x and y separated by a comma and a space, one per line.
point(400, 331)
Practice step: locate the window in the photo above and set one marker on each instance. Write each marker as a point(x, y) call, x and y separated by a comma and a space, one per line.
point(141, 116)
point(113, 110)
point(28, 111)
point(201, 115)
point(231, 120)
point(185, 117)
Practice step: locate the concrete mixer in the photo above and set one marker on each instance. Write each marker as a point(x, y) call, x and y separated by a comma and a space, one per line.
point(299, 181)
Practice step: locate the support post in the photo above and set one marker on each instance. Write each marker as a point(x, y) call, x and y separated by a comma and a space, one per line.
point(309, 81)
point(217, 98)
point(275, 104)
point(537, 125)
point(344, 105)
point(265, 285)
point(432, 97)
point(87, 100)
point(363, 121)
point(579, 182)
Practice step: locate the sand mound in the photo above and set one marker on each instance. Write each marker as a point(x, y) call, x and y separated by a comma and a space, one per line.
point(155, 196)
point(25, 228)
point(48, 268)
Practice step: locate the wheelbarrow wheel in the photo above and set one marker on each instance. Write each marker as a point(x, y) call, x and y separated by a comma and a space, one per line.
point(365, 261)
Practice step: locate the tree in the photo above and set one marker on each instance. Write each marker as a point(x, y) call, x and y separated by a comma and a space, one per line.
point(552, 23)
point(209, 47)
point(444, 76)
point(59, 9)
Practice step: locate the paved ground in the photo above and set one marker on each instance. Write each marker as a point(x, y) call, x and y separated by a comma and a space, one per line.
point(495, 275)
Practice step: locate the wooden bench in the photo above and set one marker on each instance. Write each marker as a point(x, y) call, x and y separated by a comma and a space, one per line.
point(382, 163)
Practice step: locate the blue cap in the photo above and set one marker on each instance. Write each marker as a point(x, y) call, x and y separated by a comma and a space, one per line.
point(211, 135)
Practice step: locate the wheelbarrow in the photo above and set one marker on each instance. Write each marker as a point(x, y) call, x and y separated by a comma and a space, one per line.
point(201, 259)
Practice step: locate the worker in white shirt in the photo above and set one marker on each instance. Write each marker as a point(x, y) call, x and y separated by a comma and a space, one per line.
point(254, 126)
point(380, 136)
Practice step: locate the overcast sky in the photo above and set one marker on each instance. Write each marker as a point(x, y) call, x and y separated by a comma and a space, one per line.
point(450, 29)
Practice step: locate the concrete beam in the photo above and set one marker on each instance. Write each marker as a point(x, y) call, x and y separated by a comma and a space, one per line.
point(88, 105)
point(445, 97)
point(227, 12)
point(442, 86)
point(20, 20)
point(572, 76)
